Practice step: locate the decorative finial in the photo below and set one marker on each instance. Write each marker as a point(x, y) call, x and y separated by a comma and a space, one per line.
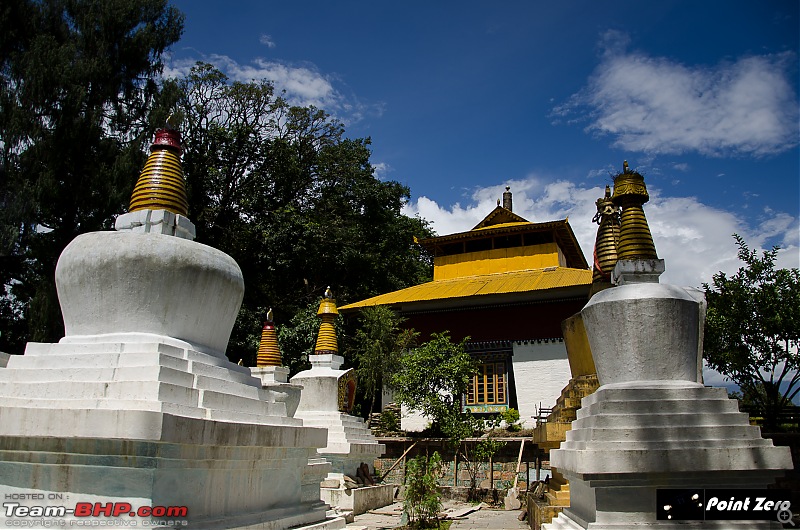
point(635, 239)
point(269, 353)
point(161, 185)
point(507, 199)
point(498, 202)
point(605, 246)
point(326, 340)
point(625, 166)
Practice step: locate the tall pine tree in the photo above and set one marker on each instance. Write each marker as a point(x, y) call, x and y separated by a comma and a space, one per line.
point(78, 85)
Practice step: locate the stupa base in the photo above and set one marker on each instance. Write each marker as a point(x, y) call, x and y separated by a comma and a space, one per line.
point(632, 439)
point(130, 425)
point(566, 522)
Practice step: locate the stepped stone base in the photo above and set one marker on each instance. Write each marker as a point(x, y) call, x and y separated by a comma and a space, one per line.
point(631, 439)
point(150, 423)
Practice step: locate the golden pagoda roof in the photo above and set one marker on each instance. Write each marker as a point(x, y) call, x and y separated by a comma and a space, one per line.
point(500, 215)
point(502, 223)
point(517, 283)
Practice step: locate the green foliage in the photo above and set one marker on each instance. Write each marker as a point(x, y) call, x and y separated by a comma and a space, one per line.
point(475, 455)
point(390, 422)
point(292, 200)
point(422, 502)
point(432, 379)
point(511, 417)
point(76, 94)
point(753, 329)
point(379, 344)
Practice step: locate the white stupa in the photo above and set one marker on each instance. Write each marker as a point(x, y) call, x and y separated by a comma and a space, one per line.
point(326, 401)
point(652, 425)
point(138, 404)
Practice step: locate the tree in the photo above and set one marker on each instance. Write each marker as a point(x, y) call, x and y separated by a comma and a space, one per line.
point(753, 328)
point(421, 502)
point(76, 94)
point(292, 200)
point(379, 344)
point(431, 380)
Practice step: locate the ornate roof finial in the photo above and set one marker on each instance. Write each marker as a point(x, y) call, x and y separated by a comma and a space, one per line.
point(326, 340)
point(161, 185)
point(269, 353)
point(507, 199)
point(635, 239)
point(605, 246)
point(625, 166)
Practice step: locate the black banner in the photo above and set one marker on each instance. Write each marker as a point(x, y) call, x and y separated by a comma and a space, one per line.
point(723, 505)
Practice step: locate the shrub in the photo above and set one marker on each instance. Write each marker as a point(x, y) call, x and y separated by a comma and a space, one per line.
point(422, 502)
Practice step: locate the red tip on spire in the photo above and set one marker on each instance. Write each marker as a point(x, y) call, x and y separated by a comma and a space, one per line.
point(169, 138)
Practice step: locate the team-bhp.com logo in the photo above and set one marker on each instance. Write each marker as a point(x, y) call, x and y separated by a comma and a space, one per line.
point(724, 505)
point(89, 514)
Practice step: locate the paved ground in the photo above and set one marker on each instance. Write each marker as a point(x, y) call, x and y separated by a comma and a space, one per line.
point(482, 519)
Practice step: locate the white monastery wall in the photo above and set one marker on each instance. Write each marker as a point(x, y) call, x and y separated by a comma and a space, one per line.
point(541, 371)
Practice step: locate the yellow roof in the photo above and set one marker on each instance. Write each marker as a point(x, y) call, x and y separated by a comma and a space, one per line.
point(526, 281)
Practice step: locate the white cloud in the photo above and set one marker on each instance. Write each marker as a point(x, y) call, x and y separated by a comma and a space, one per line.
point(300, 84)
point(694, 239)
point(381, 170)
point(655, 105)
point(266, 40)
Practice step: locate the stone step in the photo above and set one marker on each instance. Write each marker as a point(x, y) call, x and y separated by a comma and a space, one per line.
point(93, 375)
point(667, 434)
point(119, 390)
point(222, 401)
point(647, 445)
point(710, 406)
point(562, 523)
point(98, 360)
point(242, 417)
point(47, 348)
point(203, 382)
point(106, 404)
point(656, 393)
point(557, 498)
point(665, 420)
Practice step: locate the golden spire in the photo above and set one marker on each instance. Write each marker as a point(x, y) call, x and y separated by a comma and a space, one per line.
point(269, 353)
point(605, 246)
point(326, 340)
point(161, 185)
point(635, 239)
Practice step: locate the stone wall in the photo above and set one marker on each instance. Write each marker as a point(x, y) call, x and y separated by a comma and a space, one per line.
point(504, 463)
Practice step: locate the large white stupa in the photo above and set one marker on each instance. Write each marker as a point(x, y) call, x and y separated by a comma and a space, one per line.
point(137, 405)
point(652, 425)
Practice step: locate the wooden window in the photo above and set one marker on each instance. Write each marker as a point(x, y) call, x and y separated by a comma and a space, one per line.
point(488, 386)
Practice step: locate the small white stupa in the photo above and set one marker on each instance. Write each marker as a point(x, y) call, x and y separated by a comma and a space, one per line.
point(326, 401)
point(269, 369)
point(652, 425)
point(137, 405)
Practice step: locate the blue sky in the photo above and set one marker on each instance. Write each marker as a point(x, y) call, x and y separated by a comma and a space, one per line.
point(463, 98)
